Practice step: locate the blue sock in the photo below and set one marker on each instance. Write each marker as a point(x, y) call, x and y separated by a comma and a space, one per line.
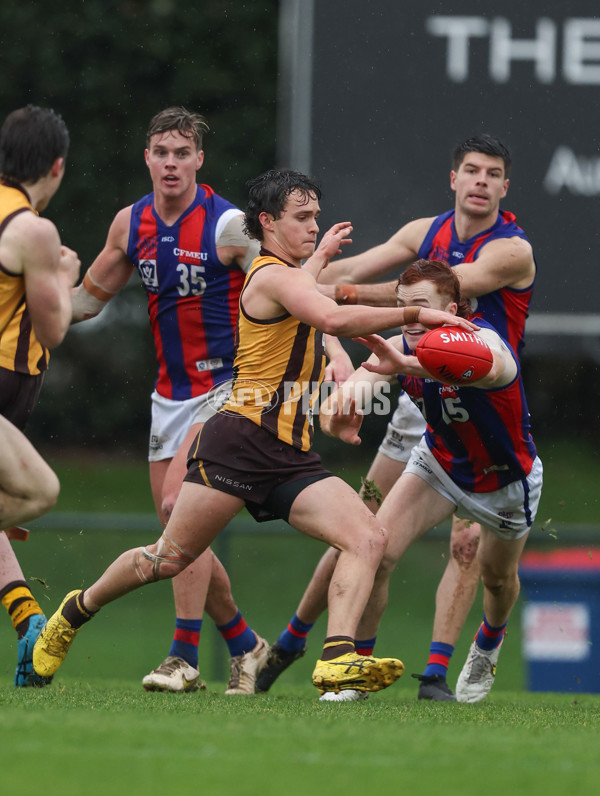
point(365, 646)
point(488, 637)
point(293, 638)
point(186, 640)
point(439, 658)
point(238, 636)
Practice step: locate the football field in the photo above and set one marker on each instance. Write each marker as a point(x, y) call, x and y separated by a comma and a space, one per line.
point(97, 736)
point(95, 730)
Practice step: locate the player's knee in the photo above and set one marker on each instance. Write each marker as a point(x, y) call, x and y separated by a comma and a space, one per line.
point(376, 541)
point(498, 580)
point(367, 542)
point(160, 561)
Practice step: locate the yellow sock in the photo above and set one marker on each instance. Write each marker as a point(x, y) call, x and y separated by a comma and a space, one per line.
point(20, 604)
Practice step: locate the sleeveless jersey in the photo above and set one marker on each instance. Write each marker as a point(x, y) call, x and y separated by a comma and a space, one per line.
point(507, 308)
point(20, 350)
point(192, 296)
point(279, 366)
point(480, 437)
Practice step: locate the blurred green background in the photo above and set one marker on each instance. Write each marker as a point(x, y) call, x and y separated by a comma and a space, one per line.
point(105, 508)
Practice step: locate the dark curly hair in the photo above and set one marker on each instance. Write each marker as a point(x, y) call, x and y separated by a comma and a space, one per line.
point(269, 192)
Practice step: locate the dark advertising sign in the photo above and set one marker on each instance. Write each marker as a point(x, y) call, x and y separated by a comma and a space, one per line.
point(374, 96)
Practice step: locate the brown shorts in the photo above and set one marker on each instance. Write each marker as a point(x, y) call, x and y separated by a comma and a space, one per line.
point(236, 456)
point(19, 393)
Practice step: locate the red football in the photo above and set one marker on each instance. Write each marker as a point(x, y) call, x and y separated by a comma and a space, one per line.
point(454, 356)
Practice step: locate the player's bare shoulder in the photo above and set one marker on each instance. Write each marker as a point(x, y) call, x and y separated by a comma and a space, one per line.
point(513, 259)
point(413, 232)
point(118, 233)
point(29, 241)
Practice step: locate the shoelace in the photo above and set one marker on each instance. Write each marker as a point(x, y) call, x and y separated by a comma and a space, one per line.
point(64, 635)
point(168, 667)
point(481, 665)
point(236, 671)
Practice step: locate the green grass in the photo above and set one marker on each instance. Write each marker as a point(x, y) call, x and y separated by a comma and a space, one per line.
point(96, 731)
point(97, 736)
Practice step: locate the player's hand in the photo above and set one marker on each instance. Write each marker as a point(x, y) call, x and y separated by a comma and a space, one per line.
point(345, 419)
point(334, 238)
point(391, 361)
point(339, 368)
point(329, 247)
point(69, 264)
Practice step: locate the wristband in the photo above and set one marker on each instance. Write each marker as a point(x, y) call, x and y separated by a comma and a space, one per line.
point(411, 315)
point(345, 294)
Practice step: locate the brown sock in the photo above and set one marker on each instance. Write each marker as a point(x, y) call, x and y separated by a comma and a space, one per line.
point(75, 612)
point(334, 646)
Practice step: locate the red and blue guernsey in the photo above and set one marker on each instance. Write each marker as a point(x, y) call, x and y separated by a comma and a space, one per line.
point(480, 437)
point(192, 297)
point(506, 309)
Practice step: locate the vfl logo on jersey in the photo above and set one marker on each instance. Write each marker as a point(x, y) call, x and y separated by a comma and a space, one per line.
point(147, 269)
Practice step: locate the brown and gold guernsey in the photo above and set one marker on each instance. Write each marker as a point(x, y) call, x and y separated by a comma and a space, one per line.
point(278, 369)
point(20, 350)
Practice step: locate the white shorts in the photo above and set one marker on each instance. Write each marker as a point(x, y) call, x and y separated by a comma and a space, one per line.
point(171, 420)
point(508, 512)
point(404, 430)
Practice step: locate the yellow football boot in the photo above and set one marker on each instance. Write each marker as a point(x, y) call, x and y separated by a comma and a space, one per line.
point(54, 641)
point(358, 672)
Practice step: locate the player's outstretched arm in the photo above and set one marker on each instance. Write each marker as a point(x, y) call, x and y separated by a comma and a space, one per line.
point(399, 250)
point(296, 291)
point(109, 272)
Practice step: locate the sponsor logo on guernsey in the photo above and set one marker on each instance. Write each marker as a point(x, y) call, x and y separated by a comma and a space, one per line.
point(209, 364)
point(458, 255)
point(495, 468)
point(167, 239)
point(184, 254)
